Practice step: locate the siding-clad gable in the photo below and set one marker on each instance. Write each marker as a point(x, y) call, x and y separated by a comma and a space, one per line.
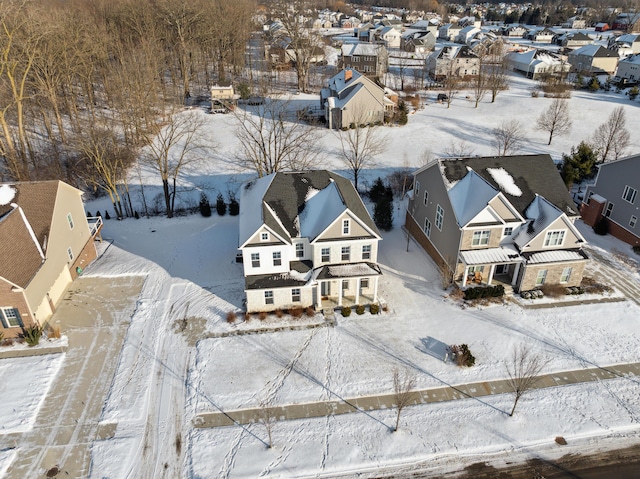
point(335, 231)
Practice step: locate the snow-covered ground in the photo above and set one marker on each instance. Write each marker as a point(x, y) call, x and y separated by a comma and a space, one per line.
point(166, 377)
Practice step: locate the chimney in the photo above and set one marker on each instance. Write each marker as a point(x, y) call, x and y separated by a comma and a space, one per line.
point(347, 75)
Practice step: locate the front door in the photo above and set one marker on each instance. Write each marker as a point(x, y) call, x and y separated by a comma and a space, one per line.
point(325, 289)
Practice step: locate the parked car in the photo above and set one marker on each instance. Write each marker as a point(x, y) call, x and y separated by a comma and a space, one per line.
point(442, 97)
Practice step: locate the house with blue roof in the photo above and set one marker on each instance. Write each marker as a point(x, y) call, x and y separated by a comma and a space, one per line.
point(497, 220)
point(306, 240)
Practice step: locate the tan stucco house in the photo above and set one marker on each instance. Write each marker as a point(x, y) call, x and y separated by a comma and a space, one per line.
point(46, 241)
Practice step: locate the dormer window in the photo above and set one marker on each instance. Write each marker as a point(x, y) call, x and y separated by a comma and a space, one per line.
point(264, 236)
point(345, 227)
point(508, 231)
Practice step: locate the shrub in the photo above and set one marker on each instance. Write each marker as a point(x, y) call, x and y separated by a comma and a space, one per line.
point(484, 292)
point(633, 93)
point(279, 313)
point(601, 227)
point(590, 285)
point(385, 308)
point(231, 317)
point(262, 315)
point(136, 215)
point(234, 207)
point(401, 115)
point(462, 355)
point(594, 84)
point(295, 312)
point(244, 91)
point(636, 249)
point(554, 290)
point(374, 308)
point(106, 215)
point(309, 311)
point(247, 316)
point(346, 311)
point(360, 309)
point(32, 335)
point(204, 206)
point(535, 93)
point(89, 215)
point(221, 206)
point(53, 331)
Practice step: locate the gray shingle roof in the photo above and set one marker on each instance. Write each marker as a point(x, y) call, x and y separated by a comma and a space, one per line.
point(531, 173)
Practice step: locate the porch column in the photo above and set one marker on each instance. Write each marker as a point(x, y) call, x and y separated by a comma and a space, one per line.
point(318, 288)
point(464, 276)
point(375, 289)
point(514, 279)
point(357, 291)
point(492, 269)
point(340, 292)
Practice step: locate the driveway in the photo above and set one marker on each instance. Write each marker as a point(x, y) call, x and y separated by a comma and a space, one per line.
point(94, 315)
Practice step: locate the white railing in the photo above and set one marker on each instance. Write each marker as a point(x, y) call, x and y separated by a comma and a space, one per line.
point(95, 223)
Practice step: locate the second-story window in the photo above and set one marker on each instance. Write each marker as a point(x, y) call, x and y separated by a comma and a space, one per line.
point(299, 250)
point(439, 217)
point(345, 227)
point(255, 260)
point(325, 255)
point(277, 258)
point(554, 238)
point(508, 231)
point(346, 253)
point(629, 194)
point(366, 251)
point(70, 220)
point(480, 238)
point(426, 197)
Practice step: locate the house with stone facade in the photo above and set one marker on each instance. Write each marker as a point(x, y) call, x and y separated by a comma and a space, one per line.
point(306, 240)
point(614, 199)
point(452, 60)
point(46, 242)
point(497, 220)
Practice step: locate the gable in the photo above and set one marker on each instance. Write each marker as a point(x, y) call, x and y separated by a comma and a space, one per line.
point(335, 232)
point(256, 239)
point(504, 210)
point(572, 238)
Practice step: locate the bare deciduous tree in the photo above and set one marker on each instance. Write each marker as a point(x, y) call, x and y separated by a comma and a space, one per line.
point(403, 386)
point(451, 83)
point(272, 139)
point(359, 145)
point(459, 149)
point(555, 119)
point(612, 136)
point(497, 79)
point(176, 145)
point(523, 370)
point(508, 137)
point(267, 419)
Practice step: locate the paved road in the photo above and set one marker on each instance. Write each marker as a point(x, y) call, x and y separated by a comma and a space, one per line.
point(385, 401)
point(94, 315)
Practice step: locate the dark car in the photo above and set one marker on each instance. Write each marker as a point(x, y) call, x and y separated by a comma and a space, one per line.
point(442, 97)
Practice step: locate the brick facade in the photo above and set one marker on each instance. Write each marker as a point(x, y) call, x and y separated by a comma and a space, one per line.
point(416, 232)
point(622, 234)
point(591, 212)
point(16, 300)
point(86, 256)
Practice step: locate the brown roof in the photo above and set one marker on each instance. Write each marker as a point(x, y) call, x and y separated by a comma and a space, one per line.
point(20, 258)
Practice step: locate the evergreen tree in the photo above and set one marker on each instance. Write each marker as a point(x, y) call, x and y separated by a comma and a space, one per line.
point(204, 206)
point(221, 206)
point(106, 215)
point(383, 214)
point(234, 206)
point(580, 164)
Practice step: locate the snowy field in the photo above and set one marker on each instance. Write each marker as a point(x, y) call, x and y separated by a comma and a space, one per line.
point(166, 376)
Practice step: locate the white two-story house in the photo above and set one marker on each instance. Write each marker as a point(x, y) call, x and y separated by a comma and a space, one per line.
point(505, 220)
point(306, 239)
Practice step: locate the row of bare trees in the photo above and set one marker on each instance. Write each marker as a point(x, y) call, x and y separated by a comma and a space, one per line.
point(85, 85)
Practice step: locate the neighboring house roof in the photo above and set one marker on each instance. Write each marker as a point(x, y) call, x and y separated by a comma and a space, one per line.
point(531, 174)
point(595, 51)
point(450, 52)
point(368, 49)
point(628, 39)
point(301, 204)
point(536, 58)
point(632, 60)
point(25, 222)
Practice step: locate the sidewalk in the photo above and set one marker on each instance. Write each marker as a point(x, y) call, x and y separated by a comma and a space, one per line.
point(424, 396)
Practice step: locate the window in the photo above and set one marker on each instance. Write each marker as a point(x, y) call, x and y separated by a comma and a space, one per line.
point(326, 255)
point(427, 227)
point(299, 250)
point(255, 260)
point(426, 197)
point(542, 275)
point(366, 251)
point(480, 238)
point(268, 297)
point(629, 194)
point(345, 227)
point(632, 221)
point(295, 295)
point(264, 236)
point(70, 253)
point(345, 284)
point(417, 189)
point(10, 317)
point(439, 217)
point(566, 274)
point(364, 283)
point(346, 253)
point(554, 238)
point(476, 269)
point(609, 209)
point(70, 220)
point(277, 258)
point(508, 231)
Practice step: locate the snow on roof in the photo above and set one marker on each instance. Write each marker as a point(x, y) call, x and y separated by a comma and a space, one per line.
point(320, 209)
point(251, 218)
point(554, 256)
point(351, 270)
point(504, 254)
point(541, 214)
point(505, 181)
point(470, 196)
point(371, 49)
point(7, 193)
point(635, 59)
point(338, 83)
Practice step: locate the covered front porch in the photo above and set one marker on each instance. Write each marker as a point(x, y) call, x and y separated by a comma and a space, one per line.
point(488, 267)
point(347, 285)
